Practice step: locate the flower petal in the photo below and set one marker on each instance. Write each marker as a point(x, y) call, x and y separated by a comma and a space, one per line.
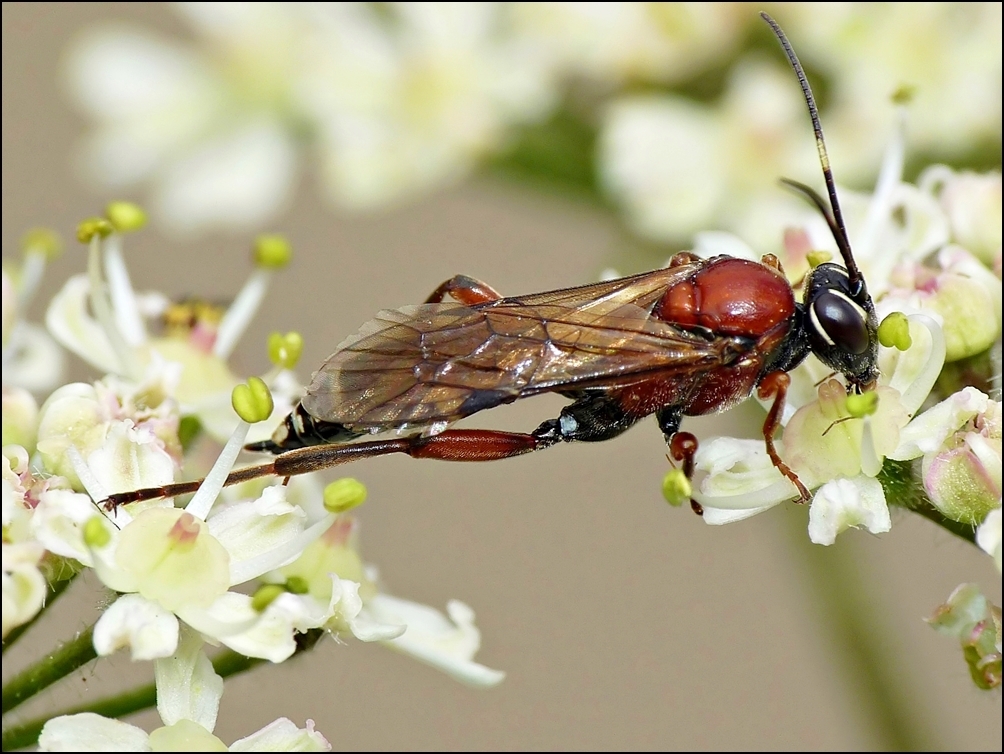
point(988, 536)
point(187, 686)
point(842, 503)
point(241, 179)
point(446, 643)
point(927, 432)
point(283, 735)
point(138, 623)
point(70, 322)
point(90, 732)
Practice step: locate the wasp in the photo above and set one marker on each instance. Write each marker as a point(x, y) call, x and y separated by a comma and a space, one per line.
point(696, 337)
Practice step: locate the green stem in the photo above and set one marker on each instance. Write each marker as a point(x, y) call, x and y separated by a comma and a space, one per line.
point(226, 664)
point(60, 663)
point(846, 610)
point(55, 589)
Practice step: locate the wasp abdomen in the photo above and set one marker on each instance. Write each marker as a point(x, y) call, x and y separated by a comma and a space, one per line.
point(299, 430)
point(729, 296)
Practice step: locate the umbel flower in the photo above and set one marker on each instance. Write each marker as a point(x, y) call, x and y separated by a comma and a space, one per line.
point(254, 570)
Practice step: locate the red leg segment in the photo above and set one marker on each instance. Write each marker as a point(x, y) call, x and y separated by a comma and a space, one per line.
point(683, 448)
point(776, 384)
point(451, 445)
point(466, 290)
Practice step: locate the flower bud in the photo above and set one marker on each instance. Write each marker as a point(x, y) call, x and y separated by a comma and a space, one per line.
point(94, 226)
point(676, 488)
point(284, 350)
point(42, 241)
point(125, 216)
point(252, 400)
point(272, 251)
point(344, 494)
point(894, 332)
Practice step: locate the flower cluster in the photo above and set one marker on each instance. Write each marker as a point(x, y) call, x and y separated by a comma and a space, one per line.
point(252, 567)
point(939, 303)
point(693, 120)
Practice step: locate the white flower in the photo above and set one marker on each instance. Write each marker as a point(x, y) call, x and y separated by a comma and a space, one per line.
point(24, 586)
point(31, 359)
point(446, 643)
point(677, 166)
point(188, 699)
point(946, 56)
point(614, 41)
point(101, 319)
point(390, 106)
point(829, 450)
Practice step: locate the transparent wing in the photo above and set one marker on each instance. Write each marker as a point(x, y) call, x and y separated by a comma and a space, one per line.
point(441, 362)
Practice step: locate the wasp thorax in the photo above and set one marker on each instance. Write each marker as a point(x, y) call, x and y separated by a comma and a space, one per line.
point(841, 323)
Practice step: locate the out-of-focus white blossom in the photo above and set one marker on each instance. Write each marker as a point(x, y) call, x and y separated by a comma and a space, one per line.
point(388, 104)
point(946, 56)
point(617, 41)
point(677, 166)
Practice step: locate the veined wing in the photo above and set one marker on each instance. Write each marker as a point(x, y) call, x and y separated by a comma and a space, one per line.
point(432, 363)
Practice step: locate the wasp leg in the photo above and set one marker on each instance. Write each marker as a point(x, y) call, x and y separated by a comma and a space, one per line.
point(776, 385)
point(682, 445)
point(466, 290)
point(683, 257)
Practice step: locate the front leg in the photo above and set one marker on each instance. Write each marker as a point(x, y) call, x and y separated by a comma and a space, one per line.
point(776, 385)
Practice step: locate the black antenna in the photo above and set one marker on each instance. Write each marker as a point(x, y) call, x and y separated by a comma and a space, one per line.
point(836, 223)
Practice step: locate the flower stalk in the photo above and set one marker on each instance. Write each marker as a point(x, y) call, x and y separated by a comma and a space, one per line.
point(42, 674)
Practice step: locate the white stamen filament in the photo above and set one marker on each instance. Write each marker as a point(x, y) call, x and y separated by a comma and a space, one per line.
point(31, 276)
point(241, 312)
point(890, 176)
point(92, 486)
point(127, 314)
point(203, 499)
point(871, 462)
point(252, 568)
point(913, 395)
point(103, 312)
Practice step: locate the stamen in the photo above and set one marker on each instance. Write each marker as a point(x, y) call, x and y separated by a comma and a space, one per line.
point(103, 310)
point(889, 178)
point(202, 501)
point(871, 461)
point(92, 486)
point(127, 314)
point(241, 312)
point(913, 395)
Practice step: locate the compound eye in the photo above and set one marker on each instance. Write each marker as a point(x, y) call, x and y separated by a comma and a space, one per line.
point(840, 321)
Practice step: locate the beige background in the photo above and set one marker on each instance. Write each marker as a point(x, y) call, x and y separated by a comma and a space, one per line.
point(622, 623)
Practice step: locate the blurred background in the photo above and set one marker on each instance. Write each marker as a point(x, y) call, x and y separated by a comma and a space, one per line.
point(532, 147)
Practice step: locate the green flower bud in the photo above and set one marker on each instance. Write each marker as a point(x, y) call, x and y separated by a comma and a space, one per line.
point(42, 241)
point(863, 404)
point(344, 495)
point(265, 596)
point(252, 400)
point(95, 533)
point(816, 258)
point(94, 226)
point(272, 251)
point(676, 488)
point(894, 332)
point(285, 350)
point(125, 216)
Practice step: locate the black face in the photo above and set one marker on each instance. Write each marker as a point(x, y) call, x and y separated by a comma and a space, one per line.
point(841, 325)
